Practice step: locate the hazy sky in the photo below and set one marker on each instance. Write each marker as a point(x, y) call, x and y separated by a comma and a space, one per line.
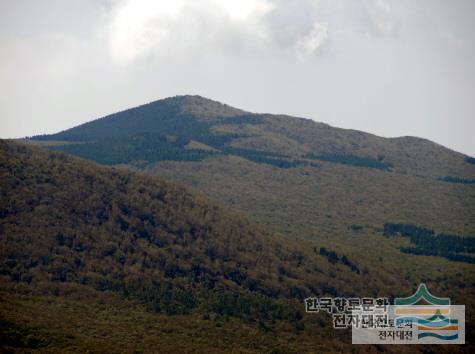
point(387, 67)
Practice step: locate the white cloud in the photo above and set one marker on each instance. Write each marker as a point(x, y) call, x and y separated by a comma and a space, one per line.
point(142, 27)
point(243, 10)
point(312, 42)
point(382, 16)
point(139, 25)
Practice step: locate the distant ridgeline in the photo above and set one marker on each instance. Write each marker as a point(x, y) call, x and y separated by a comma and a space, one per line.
point(428, 243)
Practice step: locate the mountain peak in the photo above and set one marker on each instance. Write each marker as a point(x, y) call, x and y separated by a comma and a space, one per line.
point(201, 107)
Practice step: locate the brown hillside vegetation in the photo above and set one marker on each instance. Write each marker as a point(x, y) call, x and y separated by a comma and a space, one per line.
point(80, 241)
point(100, 260)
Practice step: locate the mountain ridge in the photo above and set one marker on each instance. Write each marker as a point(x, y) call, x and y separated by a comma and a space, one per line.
point(191, 103)
point(224, 128)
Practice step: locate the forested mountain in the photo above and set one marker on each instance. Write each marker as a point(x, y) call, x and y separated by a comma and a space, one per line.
point(371, 215)
point(299, 177)
point(176, 121)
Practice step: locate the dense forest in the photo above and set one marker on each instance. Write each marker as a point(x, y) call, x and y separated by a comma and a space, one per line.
point(152, 147)
point(148, 147)
point(470, 160)
point(428, 243)
point(334, 258)
point(452, 179)
point(347, 159)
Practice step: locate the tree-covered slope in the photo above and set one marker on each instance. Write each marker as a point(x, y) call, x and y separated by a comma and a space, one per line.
point(72, 229)
point(66, 220)
point(307, 180)
point(327, 191)
point(300, 177)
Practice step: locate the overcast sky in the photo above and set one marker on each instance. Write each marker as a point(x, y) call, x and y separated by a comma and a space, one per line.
point(391, 68)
